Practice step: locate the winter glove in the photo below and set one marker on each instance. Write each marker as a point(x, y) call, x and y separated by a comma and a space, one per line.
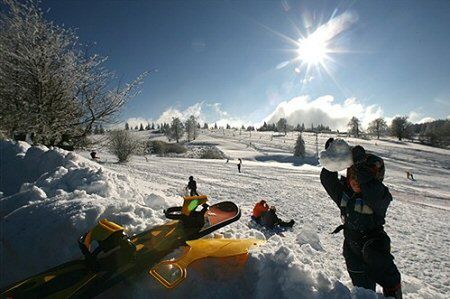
point(329, 141)
point(359, 155)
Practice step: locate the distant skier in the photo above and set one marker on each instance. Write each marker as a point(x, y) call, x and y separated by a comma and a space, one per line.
point(409, 176)
point(239, 165)
point(192, 186)
point(363, 201)
point(267, 217)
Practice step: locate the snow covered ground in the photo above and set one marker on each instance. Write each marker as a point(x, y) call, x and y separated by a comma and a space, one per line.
point(67, 193)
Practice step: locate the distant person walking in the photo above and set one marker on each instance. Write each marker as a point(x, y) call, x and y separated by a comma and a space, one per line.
point(239, 165)
point(192, 185)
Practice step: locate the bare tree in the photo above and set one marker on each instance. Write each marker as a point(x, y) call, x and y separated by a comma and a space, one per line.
point(378, 127)
point(176, 130)
point(191, 126)
point(354, 126)
point(122, 144)
point(282, 125)
point(401, 127)
point(49, 85)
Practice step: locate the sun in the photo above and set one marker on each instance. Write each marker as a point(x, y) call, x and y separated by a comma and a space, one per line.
point(312, 50)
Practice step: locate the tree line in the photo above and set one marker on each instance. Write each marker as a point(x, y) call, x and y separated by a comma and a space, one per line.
point(435, 133)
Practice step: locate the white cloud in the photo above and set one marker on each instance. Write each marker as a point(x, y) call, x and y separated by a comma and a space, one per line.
point(331, 30)
point(444, 101)
point(324, 110)
point(426, 120)
point(419, 118)
point(204, 112)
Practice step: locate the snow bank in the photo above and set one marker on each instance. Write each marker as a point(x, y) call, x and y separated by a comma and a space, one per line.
point(52, 197)
point(337, 156)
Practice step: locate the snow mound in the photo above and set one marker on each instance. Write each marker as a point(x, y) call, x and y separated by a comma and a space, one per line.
point(337, 156)
point(57, 197)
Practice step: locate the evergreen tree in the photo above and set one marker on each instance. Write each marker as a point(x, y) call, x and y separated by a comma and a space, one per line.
point(141, 127)
point(263, 128)
point(176, 130)
point(127, 126)
point(299, 149)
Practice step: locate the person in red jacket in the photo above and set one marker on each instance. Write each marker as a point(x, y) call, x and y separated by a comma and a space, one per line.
point(259, 209)
point(266, 216)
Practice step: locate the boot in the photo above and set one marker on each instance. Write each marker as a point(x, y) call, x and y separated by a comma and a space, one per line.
point(395, 292)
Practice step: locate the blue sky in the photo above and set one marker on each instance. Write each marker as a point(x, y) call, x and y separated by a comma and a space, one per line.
point(395, 56)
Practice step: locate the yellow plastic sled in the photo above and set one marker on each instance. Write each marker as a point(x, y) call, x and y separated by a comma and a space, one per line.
point(172, 272)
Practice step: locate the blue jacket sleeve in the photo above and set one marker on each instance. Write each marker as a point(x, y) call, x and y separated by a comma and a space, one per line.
point(332, 185)
point(375, 194)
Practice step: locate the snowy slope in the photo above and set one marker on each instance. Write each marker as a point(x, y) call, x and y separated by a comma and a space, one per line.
point(70, 195)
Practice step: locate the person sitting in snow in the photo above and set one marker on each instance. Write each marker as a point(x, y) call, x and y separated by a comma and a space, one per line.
point(363, 200)
point(192, 185)
point(259, 209)
point(267, 217)
point(94, 155)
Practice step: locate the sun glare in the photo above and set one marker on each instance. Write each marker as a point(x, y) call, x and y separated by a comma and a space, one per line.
point(312, 50)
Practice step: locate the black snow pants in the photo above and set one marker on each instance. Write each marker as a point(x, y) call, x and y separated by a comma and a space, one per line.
point(369, 261)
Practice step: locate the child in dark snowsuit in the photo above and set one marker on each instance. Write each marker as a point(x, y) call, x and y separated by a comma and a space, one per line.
point(363, 201)
point(192, 185)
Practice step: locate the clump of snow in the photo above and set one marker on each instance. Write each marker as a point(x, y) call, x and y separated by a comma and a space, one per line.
point(155, 201)
point(337, 156)
point(308, 235)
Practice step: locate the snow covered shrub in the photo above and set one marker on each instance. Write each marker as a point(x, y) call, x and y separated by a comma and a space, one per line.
point(299, 149)
point(212, 153)
point(175, 148)
point(122, 144)
point(162, 148)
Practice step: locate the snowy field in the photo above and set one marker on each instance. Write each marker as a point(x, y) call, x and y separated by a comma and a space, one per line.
point(53, 196)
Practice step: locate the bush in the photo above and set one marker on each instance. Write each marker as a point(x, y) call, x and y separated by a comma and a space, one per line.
point(122, 144)
point(162, 148)
point(212, 153)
